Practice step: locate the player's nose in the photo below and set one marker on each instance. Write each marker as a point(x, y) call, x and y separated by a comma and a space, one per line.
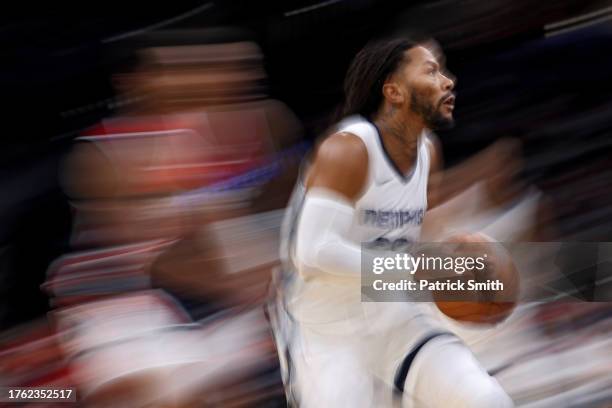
point(447, 83)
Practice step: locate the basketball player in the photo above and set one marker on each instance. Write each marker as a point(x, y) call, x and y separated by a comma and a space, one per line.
point(337, 350)
point(196, 145)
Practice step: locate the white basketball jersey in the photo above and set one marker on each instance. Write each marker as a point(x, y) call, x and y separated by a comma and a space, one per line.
point(390, 211)
point(388, 215)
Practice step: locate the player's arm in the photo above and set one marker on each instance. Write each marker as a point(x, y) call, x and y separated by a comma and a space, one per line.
point(340, 165)
point(500, 158)
point(449, 194)
point(442, 186)
point(334, 182)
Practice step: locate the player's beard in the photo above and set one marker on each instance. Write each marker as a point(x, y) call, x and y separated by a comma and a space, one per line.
point(432, 115)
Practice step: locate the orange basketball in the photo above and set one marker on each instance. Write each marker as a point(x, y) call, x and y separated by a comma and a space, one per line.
point(491, 307)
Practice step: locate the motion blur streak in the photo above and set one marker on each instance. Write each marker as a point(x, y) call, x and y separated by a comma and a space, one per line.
point(145, 174)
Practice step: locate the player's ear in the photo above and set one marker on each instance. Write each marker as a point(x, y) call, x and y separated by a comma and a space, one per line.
point(393, 92)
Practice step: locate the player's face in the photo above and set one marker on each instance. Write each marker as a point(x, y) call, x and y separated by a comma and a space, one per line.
point(429, 88)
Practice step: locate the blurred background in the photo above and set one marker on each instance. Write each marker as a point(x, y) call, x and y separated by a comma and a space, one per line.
point(535, 71)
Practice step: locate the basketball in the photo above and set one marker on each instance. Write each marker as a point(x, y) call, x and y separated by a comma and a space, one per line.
point(491, 307)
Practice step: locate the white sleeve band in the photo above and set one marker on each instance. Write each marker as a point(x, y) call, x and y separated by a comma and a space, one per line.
point(322, 234)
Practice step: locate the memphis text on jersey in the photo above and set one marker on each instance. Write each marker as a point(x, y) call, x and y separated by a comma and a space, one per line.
point(393, 219)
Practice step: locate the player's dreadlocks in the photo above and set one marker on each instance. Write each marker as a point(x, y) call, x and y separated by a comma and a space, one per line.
point(368, 72)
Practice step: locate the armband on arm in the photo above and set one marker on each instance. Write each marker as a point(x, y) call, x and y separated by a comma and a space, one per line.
point(322, 234)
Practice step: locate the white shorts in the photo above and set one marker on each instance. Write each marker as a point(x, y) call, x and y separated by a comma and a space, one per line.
point(394, 359)
point(146, 334)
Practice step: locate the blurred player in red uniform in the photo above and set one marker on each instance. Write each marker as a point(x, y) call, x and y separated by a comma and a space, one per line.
point(151, 190)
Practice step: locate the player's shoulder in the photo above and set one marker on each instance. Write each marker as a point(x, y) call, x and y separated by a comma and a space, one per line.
point(434, 149)
point(343, 150)
point(431, 140)
point(340, 164)
point(358, 125)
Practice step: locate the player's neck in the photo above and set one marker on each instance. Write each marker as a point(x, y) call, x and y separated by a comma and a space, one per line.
point(400, 137)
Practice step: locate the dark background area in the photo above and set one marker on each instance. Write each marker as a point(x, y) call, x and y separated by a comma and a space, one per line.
point(519, 75)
